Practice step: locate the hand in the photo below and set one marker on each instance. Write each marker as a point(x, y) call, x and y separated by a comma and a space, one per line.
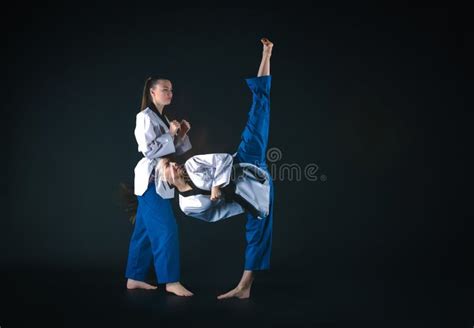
point(184, 128)
point(174, 127)
point(216, 193)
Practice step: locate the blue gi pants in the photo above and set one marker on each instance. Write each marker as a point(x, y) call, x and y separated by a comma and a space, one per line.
point(252, 149)
point(154, 239)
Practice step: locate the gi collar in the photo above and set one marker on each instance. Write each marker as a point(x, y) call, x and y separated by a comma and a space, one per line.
point(194, 190)
point(157, 112)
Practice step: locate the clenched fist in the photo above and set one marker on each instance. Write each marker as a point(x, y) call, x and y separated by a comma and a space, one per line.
point(184, 128)
point(216, 193)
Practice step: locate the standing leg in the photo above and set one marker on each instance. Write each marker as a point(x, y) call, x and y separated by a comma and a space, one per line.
point(139, 255)
point(259, 239)
point(258, 251)
point(252, 149)
point(162, 231)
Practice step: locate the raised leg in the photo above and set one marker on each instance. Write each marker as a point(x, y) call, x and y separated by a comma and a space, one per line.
point(252, 149)
point(264, 68)
point(254, 138)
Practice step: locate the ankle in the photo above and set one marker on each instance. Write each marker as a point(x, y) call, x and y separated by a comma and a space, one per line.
point(170, 284)
point(244, 285)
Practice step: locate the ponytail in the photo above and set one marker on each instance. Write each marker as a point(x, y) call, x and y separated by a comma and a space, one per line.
point(150, 82)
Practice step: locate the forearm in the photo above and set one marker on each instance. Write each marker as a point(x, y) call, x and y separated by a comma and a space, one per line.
point(160, 147)
point(182, 145)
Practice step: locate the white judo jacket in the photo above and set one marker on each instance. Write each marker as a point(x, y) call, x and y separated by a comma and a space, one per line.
point(209, 170)
point(155, 141)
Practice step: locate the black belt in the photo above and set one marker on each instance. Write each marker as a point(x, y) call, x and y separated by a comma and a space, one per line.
point(229, 196)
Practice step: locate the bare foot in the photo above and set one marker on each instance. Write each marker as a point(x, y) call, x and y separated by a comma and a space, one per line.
point(178, 289)
point(135, 284)
point(267, 46)
point(238, 292)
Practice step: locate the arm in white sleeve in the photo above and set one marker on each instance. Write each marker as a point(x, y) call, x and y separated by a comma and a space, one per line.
point(208, 211)
point(182, 145)
point(221, 162)
point(151, 145)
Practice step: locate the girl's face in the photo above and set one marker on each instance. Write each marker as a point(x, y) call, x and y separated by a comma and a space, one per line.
point(162, 92)
point(171, 170)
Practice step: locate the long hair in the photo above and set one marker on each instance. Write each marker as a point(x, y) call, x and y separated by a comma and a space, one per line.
point(129, 200)
point(150, 82)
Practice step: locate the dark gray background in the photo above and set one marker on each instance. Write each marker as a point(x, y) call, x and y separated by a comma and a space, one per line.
point(373, 97)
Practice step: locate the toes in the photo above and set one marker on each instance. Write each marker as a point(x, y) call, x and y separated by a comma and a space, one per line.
point(227, 295)
point(185, 293)
point(141, 286)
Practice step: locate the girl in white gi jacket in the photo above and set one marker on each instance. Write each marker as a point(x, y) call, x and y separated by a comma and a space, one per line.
point(155, 235)
point(212, 187)
point(217, 186)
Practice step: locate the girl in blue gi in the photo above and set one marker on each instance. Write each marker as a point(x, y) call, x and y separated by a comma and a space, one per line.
point(205, 179)
point(155, 235)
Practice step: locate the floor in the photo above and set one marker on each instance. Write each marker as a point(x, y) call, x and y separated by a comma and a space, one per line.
point(90, 298)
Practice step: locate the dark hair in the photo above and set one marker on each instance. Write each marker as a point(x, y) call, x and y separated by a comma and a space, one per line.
point(149, 83)
point(129, 200)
